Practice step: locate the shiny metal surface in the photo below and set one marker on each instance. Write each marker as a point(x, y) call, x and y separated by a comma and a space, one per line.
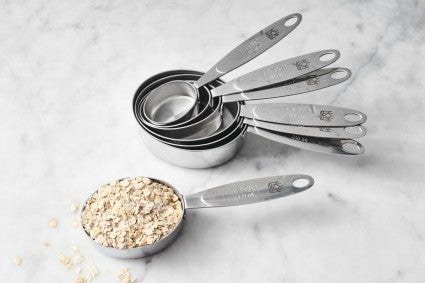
point(226, 142)
point(173, 102)
point(221, 147)
point(304, 114)
point(238, 193)
point(278, 72)
point(231, 113)
point(252, 47)
point(206, 102)
point(313, 81)
point(202, 128)
point(192, 158)
point(352, 132)
point(280, 115)
point(334, 146)
point(176, 101)
point(249, 191)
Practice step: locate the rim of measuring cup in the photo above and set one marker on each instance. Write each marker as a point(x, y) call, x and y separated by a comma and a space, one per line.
point(210, 140)
point(203, 92)
point(147, 249)
point(229, 137)
point(142, 91)
point(209, 117)
point(211, 121)
point(162, 92)
point(163, 77)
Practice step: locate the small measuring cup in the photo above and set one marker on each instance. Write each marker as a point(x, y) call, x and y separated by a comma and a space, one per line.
point(206, 103)
point(176, 101)
point(238, 193)
point(156, 105)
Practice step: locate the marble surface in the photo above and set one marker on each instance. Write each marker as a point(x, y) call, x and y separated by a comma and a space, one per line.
point(68, 71)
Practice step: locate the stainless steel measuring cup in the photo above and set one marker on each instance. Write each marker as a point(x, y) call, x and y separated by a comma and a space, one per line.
point(238, 193)
point(279, 72)
point(219, 148)
point(324, 145)
point(174, 102)
point(210, 124)
point(324, 118)
point(257, 78)
point(319, 79)
point(206, 102)
point(230, 117)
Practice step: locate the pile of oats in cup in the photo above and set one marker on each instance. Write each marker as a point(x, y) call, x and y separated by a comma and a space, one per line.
point(131, 212)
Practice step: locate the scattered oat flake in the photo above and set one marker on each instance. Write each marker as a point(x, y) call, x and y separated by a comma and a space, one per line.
point(74, 223)
point(80, 279)
point(74, 206)
point(53, 223)
point(75, 248)
point(93, 271)
point(45, 243)
point(124, 276)
point(66, 261)
point(17, 260)
point(77, 259)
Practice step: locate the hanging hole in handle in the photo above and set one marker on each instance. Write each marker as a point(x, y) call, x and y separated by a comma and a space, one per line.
point(353, 117)
point(351, 147)
point(353, 130)
point(291, 21)
point(301, 183)
point(327, 56)
point(337, 75)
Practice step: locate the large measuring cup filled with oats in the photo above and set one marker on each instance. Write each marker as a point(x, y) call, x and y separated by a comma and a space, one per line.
point(140, 216)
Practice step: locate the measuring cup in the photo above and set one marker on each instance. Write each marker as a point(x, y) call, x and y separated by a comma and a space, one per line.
point(264, 77)
point(207, 103)
point(227, 141)
point(210, 123)
point(238, 193)
point(279, 72)
point(174, 102)
point(321, 125)
point(313, 81)
point(313, 143)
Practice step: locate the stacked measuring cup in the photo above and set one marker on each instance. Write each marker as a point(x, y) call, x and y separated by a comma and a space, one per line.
point(196, 120)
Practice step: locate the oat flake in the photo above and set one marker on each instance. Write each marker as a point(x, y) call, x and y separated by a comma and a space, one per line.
point(132, 212)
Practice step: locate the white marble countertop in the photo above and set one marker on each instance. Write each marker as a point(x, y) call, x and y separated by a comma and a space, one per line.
point(68, 71)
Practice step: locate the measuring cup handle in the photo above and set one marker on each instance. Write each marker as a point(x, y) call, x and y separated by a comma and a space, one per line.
point(278, 72)
point(325, 145)
point(250, 191)
point(251, 48)
point(319, 79)
point(304, 114)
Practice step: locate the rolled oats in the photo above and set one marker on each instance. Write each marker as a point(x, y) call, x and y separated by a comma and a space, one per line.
point(17, 260)
point(79, 279)
point(77, 259)
point(124, 276)
point(45, 243)
point(74, 206)
point(131, 212)
point(53, 223)
point(65, 261)
point(93, 271)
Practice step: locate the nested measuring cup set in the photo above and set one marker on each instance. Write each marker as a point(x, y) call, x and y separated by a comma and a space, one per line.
point(197, 120)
